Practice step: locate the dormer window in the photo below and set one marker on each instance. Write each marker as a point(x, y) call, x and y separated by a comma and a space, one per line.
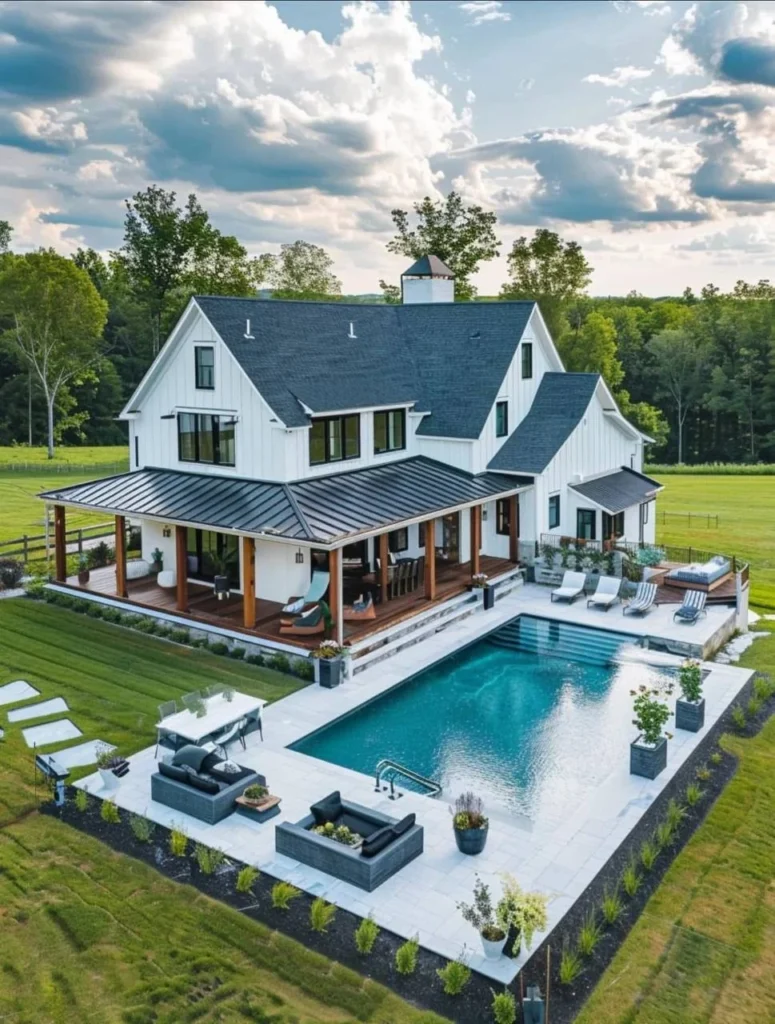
point(501, 419)
point(204, 365)
point(389, 431)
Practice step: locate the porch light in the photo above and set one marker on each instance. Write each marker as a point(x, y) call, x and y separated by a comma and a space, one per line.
point(299, 557)
point(484, 513)
point(166, 532)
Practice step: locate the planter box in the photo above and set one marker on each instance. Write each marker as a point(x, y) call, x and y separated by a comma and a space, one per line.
point(689, 715)
point(328, 672)
point(489, 597)
point(471, 840)
point(648, 761)
point(493, 949)
point(258, 811)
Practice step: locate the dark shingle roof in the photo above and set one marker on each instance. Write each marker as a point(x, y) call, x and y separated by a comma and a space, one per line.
point(559, 404)
point(428, 266)
point(323, 510)
point(619, 490)
point(448, 359)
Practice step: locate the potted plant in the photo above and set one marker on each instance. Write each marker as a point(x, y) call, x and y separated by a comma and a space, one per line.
point(328, 657)
point(83, 569)
point(520, 914)
point(338, 834)
point(481, 914)
point(479, 581)
point(258, 803)
point(157, 560)
point(107, 760)
point(690, 706)
point(221, 583)
point(470, 824)
point(648, 752)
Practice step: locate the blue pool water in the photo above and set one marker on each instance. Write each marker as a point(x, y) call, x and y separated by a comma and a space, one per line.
point(532, 719)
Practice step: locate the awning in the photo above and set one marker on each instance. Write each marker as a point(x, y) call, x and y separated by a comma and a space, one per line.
point(619, 490)
point(323, 510)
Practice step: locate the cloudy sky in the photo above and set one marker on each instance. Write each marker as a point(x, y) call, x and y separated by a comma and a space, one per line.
point(644, 129)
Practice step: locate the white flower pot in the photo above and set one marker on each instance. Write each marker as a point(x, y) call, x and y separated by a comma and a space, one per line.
point(109, 780)
point(493, 949)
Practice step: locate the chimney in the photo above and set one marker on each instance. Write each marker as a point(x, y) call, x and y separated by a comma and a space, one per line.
point(428, 280)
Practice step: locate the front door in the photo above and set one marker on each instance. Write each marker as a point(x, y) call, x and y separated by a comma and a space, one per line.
point(451, 538)
point(213, 554)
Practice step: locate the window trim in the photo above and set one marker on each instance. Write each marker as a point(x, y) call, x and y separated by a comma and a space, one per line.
point(326, 420)
point(503, 517)
point(527, 350)
point(555, 503)
point(502, 405)
point(197, 382)
point(611, 521)
point(593, 513)
point(215, 419)
point(387, 413)
point(398, 540)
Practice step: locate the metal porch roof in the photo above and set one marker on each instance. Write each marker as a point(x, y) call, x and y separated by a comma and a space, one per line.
point(619, 490)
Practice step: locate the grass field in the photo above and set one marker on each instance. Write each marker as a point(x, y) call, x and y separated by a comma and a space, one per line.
point(88, 934)
point(703, 951)
point(19, 457)
point(22, 511)
point(746, 528)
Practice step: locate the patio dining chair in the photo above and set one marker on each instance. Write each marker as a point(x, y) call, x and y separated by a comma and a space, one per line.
point(216, 690)
point(169, 707)
point(191, 700)
point(220, 744)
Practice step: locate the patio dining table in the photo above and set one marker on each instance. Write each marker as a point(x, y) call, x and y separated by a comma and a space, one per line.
point(220, 714)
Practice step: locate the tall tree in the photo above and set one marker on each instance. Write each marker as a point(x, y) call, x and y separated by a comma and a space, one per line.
point(57, 322)
point(680, 363)
point(301, 271)
point(591, 348)
point(5, 236)
point(550, 271)
point(461, 236)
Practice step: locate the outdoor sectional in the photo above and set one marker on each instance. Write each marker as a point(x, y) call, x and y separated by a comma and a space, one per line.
point(394, 842)
point(190, 783)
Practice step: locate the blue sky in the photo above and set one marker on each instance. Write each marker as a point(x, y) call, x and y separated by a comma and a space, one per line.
point(641, 128)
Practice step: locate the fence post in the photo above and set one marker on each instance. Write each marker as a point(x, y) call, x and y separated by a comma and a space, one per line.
point(80, 541)
point(26, 552)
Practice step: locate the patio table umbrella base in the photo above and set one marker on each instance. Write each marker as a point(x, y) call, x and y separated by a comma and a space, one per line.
point(690, 715)
point(648, 761)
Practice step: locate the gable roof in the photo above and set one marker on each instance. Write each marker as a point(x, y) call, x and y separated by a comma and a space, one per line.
point(428, 266)
point(448, 359)
point(557, 409)
point(618, 490)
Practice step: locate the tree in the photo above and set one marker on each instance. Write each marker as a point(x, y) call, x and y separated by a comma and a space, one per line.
point(461, 236)
point(680, 361)
point(551, 272)
point(301, 271)
point(5, 236)
point(591, 348)
point(57, 321)
point(220, 265)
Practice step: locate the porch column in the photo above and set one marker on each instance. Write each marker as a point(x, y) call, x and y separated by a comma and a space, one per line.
point(475, 513)
point(249, 582)
point(384, 559)
point(60, 544)
point(430, 559)
point(121, 590)
point(514, 528)
point(335, 592)
point(181, 568)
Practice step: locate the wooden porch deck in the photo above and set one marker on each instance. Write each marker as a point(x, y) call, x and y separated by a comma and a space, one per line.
point(204, 607)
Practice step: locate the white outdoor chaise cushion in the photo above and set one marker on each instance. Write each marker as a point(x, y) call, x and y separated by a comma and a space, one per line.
point(572, 585)
point(607, 591)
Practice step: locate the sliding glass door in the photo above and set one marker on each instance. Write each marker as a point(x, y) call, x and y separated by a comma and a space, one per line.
point(213, 554)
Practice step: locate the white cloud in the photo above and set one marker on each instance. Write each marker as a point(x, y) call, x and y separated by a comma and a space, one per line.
point(482, 11)
point(524, 85)
point(649, 7)
point(620, 77)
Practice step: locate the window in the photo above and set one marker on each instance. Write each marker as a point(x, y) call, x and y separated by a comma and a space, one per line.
point(527, 360)
point(554, 511)
point(501, 419)
point(204, 363)
point(613, 526)
point(389, 431)
point(206, 438)
point(421, 535)
point(334, 439)
point(398, 540)
point(137, 452)
point(503, 516)
point(585, 523)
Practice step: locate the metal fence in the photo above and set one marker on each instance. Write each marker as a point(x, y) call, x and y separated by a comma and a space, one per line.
point(707, 519)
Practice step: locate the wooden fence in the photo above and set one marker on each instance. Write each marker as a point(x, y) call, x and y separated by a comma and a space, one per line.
point(26, 546)
point(707, 519)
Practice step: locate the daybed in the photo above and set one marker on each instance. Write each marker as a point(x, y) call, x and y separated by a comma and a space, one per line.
point(700, 574)
point(192, 783)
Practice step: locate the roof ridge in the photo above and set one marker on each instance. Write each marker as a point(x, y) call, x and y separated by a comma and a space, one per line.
point(297, 510)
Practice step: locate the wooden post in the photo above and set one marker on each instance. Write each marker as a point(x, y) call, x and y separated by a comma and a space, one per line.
point(121, 590)
point(430, 559)
point(249, 582)
point(181, 568)
point(335, 592)
point(514, 528)
point(384, 560)
point(60, 544)
point(476, 537)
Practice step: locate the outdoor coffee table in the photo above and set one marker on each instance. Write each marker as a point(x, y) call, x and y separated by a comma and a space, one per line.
point(260, 812)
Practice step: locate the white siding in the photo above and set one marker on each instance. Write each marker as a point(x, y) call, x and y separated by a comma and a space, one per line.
point(152, 537)
point(278, 575)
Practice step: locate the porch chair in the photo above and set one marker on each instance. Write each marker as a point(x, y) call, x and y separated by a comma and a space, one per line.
point(308, 624)
point(315, 592)
point(361, 609)
point(191, 700)
point(692, 608)
point(215, 690)
point(644, 600)
point(607, 592)
point(234, 732)
point(572, 586)
point(169, 707)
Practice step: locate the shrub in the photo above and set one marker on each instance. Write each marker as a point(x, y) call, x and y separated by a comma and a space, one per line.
point(159, 629)
point(111, 615)
point(237, 653)
point(690, 680)
point(753, 707)
point(201, 642)
point(716, 757)
point(81, 800)
point(406, 956)
point(219, 648)
point(255, 791)
point(612, 906)
point(109, 812)
point(455, 976)
point(570, 966)
point(469, 812)
point(738, 717)
point(504, 1007)
point(663, 834)
point(246, 879)
point(142, 828)
point(11, 573)
point(366, 935)
point(763, 687)
point(703, 773)
point(303, 668)
point(282, 894)
point(180, 636)
point(280, 662)
point(178, 842)
point(95, 610)
point(675, 814)
point(589, 934)
point(631, 878)
point(649, 852)
point(693, 794)
point(651, 712)
point(255, 659)
point(208, 859)
point(101, 554)
point(321, 914)
point(145, 625)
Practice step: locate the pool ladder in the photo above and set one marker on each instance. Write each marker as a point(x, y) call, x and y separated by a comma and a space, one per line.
point(387, 770)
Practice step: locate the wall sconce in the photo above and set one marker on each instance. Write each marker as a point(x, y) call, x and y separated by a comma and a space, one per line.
point(300, 557)
point(484, 514)
point(166, 532)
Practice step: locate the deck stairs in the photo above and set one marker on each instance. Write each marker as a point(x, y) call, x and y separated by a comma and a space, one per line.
point(574, 643)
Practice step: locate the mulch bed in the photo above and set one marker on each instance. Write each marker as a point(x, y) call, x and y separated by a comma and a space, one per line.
point(423, 988)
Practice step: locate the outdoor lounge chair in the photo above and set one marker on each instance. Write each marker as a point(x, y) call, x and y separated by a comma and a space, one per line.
point(360, 610)
point(308, 624)
point(572, 587)
point(644, 600)
point(692, 608)
point(316, 591)
point(607, 592)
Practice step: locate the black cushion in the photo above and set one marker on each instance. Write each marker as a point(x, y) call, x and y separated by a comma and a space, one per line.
point(173, 771)
point(357, 824)
point(378, 841)
point(327, 809)
point(403, 825)
point(204, 785)
point(190, 755)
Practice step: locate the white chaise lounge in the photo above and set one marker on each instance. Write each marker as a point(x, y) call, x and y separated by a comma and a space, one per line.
point(607, 593)
point(572, 587)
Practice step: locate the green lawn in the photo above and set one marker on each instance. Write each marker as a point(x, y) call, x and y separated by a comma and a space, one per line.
point(22, 511)
point(703, 951)
point(38, 457)
point(746, 509)
point(88, 934)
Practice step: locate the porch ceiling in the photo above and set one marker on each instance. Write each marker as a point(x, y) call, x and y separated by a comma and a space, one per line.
point(326, 510)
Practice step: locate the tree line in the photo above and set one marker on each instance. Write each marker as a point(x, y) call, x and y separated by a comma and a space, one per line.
point(694, 372)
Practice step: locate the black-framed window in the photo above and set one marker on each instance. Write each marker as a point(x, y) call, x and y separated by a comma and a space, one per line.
point(527, 360)
point(398, 540)
point(501, 419)
point(586, 520)
point(204, 366)
point(613, 526)
point(137, 452)
point(210, 554)
point(389, 431)
point(203, 437)
point(554, 511)
point(503, 517)
point(334, 439)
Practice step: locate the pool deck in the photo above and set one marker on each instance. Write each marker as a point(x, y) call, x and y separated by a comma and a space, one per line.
point(560, 860)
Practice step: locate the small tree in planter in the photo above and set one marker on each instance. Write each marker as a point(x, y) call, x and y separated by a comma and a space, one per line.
point(481, 914)
point(648, 753)
point(83, 569)
point(157, 560)
point(690, 706)
point(520, 914)
point(107, 760)
point(329, 657)
point(470, 823)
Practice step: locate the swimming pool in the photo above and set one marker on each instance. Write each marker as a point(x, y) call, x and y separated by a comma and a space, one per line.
point(532, 718)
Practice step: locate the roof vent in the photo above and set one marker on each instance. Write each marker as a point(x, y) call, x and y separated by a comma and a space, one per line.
point(248, 335)
point(352, 333)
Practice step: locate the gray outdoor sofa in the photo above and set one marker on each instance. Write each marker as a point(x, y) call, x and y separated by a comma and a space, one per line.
point(388, 844)
point(192, 784)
